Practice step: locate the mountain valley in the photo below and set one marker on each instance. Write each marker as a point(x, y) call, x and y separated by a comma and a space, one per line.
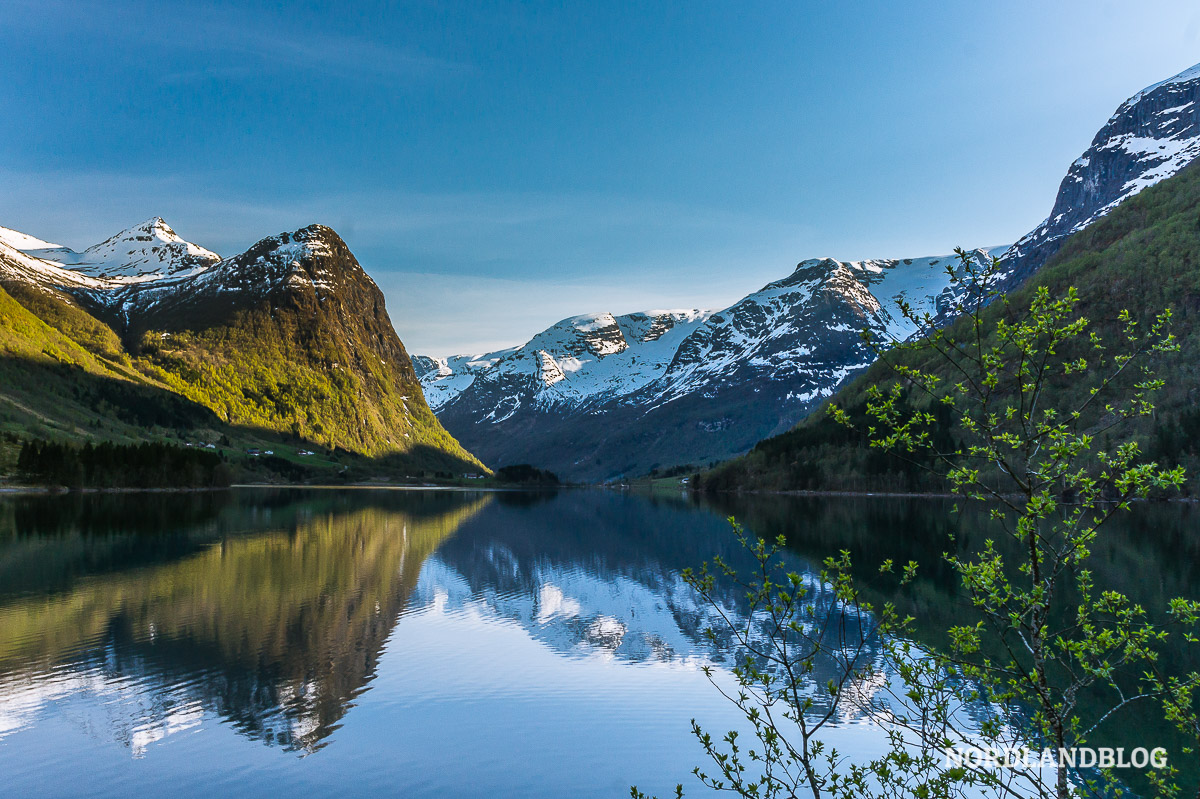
point(595, 399)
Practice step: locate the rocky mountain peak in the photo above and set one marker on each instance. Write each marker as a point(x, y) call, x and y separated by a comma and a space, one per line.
point(647, 326)
point(1150, 137)
point(308, 266)
point(288, 248)
point(154, 226)
point(806, 275)
point(596, 334)
point(144, 252)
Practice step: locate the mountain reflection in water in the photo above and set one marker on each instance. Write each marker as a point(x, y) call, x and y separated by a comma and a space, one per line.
point(413, 642)
point(276, 630)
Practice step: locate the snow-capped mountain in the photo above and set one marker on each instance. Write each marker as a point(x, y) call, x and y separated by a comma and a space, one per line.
point(290, 336)
point(1150, 137)
point(145, 252)
point(757, 367)
point(575, 363)
point(600, 396)
point(148, 270)
point(125, 270)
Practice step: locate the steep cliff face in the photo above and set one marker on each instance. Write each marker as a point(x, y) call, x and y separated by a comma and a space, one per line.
point(291, 336)
point(1150, 137)
point(757, 367)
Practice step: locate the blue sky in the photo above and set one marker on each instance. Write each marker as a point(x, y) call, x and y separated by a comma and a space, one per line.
point(499, 166)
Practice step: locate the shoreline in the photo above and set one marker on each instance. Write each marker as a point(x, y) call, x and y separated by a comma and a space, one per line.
point(889, 495)
point(9, 490)
point(400, 487)
point(17, 490)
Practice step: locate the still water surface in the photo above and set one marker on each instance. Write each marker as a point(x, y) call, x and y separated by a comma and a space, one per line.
point(409, 643)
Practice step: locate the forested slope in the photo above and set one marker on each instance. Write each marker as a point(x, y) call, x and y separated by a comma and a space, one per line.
point(1144, 257)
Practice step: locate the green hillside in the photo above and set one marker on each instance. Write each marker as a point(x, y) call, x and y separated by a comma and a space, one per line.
point(63, 374)
point(302, 377)
point(1144, 257)
point(282, 373)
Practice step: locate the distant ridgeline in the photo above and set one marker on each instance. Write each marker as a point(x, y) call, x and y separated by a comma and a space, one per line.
point(286, 348)
point(1144, 257)
point(524, 474)
point(105, 465)
point(603, 396)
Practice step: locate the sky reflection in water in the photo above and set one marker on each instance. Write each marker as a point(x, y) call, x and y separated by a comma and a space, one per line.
point(358, 642)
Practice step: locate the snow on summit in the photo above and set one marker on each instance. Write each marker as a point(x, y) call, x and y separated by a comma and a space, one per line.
point(24, 242)
point(1149, 138)
point(144, 252)
point(577, 361)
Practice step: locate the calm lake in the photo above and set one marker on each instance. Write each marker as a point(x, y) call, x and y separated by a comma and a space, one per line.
point(417, 643)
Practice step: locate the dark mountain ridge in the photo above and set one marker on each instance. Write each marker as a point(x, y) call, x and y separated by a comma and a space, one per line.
point(1143, 257)
point(1151, 136)
point(756, 368)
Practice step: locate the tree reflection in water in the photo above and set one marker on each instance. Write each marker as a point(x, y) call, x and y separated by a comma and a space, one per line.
point(275, 628)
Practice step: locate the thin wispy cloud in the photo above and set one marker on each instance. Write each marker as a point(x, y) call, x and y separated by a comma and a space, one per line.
point(269, 44)
point(461, 271)
point(679, 158)
point(258, 41)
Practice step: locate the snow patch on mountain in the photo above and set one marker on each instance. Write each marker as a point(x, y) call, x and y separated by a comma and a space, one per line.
point(146, 252)
point(24, 242)
point(578, 361)
point(18, 265)
point(443, 379)
point(1150, 137)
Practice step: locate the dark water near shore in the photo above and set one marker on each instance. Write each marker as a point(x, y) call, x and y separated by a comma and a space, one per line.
point(416, 643)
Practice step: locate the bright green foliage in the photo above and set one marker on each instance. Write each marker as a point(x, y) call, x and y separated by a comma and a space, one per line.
point(259, 379)
point(52, 386)
point(23, 334)
point(1034, 455)
point(1021, 406)
point(267, 371)
point(1142, 258)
